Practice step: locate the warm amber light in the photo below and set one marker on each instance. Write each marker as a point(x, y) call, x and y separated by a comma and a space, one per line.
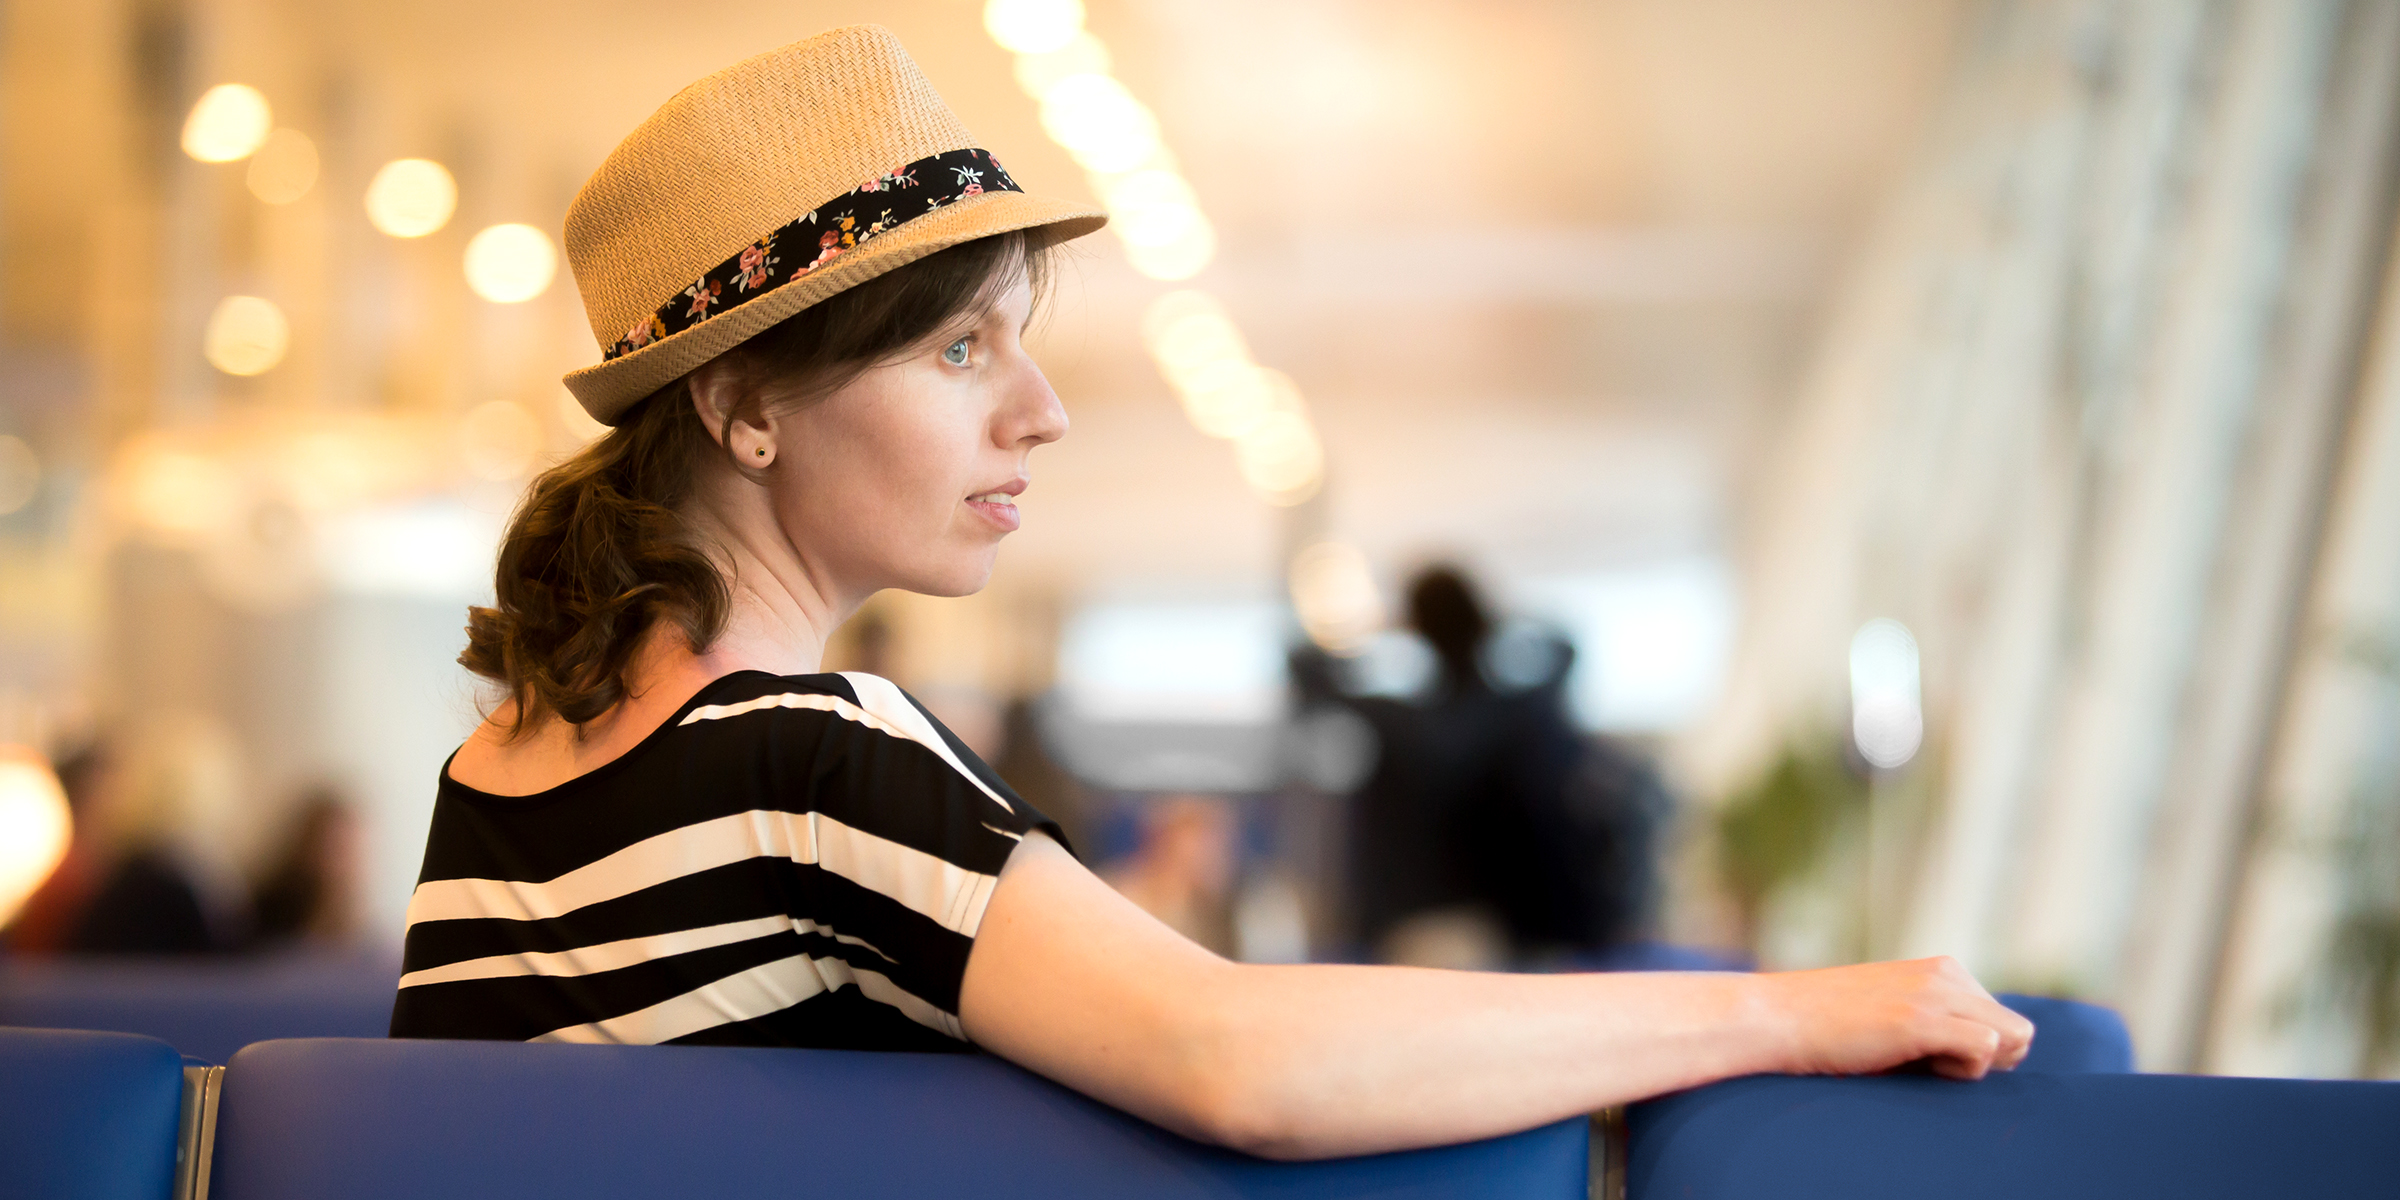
point(284, 168)
point(509, 264)
point(1100, 124)
point(1192, 243)
point(34, 827)
point(1038, 73)
point(1280, 458)
point(230, 121)
point(411, 197)
point(1032, 26)
point(247, 335)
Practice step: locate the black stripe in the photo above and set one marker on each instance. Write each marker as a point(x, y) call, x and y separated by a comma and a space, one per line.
point(843, 1020)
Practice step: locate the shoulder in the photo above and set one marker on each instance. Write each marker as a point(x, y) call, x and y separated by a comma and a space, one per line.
point(849, 712)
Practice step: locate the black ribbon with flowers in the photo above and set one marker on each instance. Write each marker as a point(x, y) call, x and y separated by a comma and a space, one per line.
point(826, 232)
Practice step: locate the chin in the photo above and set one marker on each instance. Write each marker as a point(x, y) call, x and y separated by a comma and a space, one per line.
point(952, 580)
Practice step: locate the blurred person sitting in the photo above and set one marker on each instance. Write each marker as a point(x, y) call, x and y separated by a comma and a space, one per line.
point(309, 893)
point(1491, 831)
point(163, 887)
point(673, 826)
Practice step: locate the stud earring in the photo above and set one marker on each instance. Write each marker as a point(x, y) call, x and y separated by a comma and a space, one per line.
point(762, 451)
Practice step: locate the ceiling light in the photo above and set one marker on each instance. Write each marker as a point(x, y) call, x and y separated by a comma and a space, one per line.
point(247, 335)
point(1038, 73)
point(507, 264)
point(1280, 458)
point(411, 197)
point(1193, 245)
point(229, 122)
point(1100, 124)
point(1032, 26)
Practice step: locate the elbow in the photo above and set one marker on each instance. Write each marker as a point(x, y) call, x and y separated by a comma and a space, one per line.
point(1240, 1097)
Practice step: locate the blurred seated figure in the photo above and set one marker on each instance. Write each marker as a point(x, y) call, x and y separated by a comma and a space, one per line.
point(309, 893)
point(156, 834)
point(1491, 831)
point(1182, 869)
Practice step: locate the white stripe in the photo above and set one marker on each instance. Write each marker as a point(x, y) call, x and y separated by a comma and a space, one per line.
point(757, 992)
point(944, 891)
point(881, 706)
point(611, 956)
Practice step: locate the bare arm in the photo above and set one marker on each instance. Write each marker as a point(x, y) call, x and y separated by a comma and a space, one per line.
point(1071, 980)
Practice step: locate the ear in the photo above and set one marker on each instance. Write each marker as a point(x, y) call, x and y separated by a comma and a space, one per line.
point(715, 391)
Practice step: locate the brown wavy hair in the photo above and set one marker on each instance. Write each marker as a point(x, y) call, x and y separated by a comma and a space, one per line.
point(600, 549)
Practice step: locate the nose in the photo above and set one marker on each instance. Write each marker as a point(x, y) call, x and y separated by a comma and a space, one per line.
point(1031, 415)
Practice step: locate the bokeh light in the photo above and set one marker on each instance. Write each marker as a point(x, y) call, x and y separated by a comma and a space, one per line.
point(411, 197)
point(1085, 55)
point(1033, 26)
point(229, 122)
point(1100, 124)
point(284, 168)
point(20, 474)
point(247, 335)
point(1280, 458)
point(1194, 243)
point(509, 264)
point(34, 827)
point(1887, 715)
point(500, 440)
point(1334, 595)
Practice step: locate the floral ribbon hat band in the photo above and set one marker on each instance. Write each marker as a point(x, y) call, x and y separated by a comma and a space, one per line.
point(883, 203)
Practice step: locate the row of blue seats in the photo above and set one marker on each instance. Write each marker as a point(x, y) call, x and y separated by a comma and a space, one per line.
point(98, 1116)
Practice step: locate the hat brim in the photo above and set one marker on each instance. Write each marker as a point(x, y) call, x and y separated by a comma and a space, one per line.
point(609, 390)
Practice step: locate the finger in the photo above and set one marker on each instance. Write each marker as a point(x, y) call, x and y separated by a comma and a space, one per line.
point(2015, 1032)
point(1966, 1048)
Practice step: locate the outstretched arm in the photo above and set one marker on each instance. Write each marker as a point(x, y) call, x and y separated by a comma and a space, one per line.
point(1069, 979)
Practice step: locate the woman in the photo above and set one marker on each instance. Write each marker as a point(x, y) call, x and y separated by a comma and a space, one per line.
point(675, 829)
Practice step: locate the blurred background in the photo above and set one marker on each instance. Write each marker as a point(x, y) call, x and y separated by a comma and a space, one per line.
point(1616, 483)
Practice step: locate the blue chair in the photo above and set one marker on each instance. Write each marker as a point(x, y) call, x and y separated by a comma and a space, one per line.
point(205, 1008)
point(2057, 1136)
point(302, 1120)
point(88, 1116)
point(2073, 1037)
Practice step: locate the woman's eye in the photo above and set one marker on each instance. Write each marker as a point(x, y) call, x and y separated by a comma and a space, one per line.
point(956, 355)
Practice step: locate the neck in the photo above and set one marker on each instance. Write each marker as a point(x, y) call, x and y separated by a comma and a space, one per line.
point(784, 607)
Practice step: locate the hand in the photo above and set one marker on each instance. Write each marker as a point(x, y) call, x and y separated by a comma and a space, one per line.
point(1876, 1016)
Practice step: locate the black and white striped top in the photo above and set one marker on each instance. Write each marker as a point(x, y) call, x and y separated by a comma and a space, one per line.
point(793, 860)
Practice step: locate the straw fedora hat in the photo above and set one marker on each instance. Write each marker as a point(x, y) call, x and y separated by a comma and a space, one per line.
point(768, 187)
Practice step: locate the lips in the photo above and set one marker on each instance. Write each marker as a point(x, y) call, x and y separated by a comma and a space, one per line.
point(999, 506)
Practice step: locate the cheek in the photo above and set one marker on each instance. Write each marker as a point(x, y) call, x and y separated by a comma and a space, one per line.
point(882, 472)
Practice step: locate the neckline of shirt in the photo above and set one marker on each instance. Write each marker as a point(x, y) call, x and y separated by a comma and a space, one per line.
point(706, 695)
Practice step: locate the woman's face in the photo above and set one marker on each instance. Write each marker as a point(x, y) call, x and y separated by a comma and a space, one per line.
point(907, 477)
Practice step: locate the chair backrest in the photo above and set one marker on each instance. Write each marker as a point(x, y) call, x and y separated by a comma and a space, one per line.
point(301, 1120)
point(2072, 1036)
point(88, 1116)
point(207, 1009)
point(2058, 1136)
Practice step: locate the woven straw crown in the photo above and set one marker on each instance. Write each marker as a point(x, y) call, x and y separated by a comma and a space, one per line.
point(743, 152)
